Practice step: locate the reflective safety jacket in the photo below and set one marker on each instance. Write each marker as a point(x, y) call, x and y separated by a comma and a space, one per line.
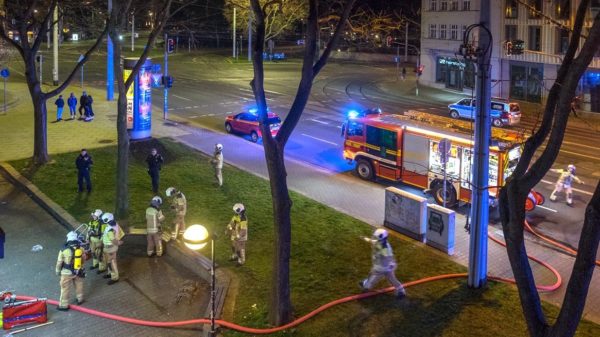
point(109, 239)
point(238, 226)
point(217, 160)
point(153, 219)
point(95, 229)
point(383, 257)
point(65, 263)
point(566, 177)
point(179, 204)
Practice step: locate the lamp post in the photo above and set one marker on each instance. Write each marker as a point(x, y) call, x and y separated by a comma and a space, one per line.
point(196, 237)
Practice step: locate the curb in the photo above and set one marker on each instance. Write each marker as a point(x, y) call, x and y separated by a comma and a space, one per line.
point(176, 250)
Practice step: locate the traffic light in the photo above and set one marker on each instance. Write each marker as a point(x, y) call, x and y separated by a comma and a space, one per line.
point(170, 46)
point(167, 81)
point(517, 47)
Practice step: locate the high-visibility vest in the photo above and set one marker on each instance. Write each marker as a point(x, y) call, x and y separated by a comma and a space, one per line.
point(108, 236)
point(383, 257)
point(180, 204)
point(153, 219)
point(96, 228)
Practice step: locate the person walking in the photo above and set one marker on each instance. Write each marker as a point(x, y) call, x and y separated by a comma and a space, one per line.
point(60, 104)
point(89, 111)
point(82, 104)
point(94, 237)
point(565, 182)
point(403, 73)
point(72, 103)
point(217, 163)
point(155, 161)
point(84, 164)
point(110, 242)
point(384, 264)
point(179, 206)
point(238, 231)
point(69, 266)
point(154, 219)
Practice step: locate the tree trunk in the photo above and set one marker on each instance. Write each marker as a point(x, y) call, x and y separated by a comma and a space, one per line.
point(40, 116)
point(122, 188)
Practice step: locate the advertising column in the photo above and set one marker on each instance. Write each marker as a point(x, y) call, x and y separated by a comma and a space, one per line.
point(139, 100)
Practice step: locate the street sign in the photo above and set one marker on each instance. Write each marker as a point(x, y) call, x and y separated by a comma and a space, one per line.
point(80, 58)
point(170, 46)
point(444, 149)
point(4, 73)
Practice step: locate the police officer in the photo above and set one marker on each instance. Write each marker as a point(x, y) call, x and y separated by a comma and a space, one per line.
point(384, 264)
point(94, 236)
point(238, 230)
point(217, 162)
point(179, 206)
point(565, 181)
point(84, 164)
point(69, 266)
point(110, 243)
point(154, 218)
point(155, 161)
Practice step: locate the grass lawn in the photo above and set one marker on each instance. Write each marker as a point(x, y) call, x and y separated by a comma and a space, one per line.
point(328, 256)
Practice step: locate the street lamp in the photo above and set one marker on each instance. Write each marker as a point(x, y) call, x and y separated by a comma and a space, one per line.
point(196, 237)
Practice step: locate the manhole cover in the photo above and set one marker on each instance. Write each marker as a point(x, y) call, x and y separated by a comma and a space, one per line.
point(106, 141)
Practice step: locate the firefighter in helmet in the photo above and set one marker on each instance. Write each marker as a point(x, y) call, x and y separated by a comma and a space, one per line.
point(217, 163)
point(154, 219)
point(69, 266)
point(384, 264)
point(238, 231)
point(94, 237)
point(179, 206)
point(564, 182)
point(110, 243)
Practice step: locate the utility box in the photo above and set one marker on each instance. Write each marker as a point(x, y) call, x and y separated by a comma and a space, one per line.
point(2, 239)
point(405, 213)
point(440, 228)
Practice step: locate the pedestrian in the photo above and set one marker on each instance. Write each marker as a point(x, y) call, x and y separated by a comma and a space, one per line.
point(69, 266)
point(84, 165)
point(110, 242)
point(565, 182)
point(82, 104)
point(217, 162)
point(60, 104)
point(154, 219)
point(72, 103)
point(155, 161)
point(89, 111)
point(575, 105)
point(403, 73)
point(179, 206)
point(94, 237)
point(384, 264)
point(238, 231)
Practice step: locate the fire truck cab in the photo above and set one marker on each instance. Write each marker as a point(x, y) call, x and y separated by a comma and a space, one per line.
point(407, 148)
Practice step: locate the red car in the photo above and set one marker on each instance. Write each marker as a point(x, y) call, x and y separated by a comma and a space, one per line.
point(247, 123)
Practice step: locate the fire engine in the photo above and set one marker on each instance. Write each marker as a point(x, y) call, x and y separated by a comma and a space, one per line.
point(407, 148)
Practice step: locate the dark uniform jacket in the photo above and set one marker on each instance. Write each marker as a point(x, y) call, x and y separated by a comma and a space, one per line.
point(83, 163)
point(154, 162)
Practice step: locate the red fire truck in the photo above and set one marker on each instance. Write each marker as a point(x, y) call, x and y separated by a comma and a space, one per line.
point(406, 148)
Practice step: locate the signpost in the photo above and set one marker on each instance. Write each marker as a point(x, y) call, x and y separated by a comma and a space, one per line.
point(4, 73)
point(79, 60)
point(444, 148)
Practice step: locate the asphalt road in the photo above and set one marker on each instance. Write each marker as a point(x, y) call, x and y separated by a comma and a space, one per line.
point(207, 88)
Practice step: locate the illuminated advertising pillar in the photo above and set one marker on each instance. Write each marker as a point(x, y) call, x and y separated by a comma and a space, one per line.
point(139, 100)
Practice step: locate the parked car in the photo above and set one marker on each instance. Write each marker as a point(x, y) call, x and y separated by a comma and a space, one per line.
point(502, 112)
point(246, 123)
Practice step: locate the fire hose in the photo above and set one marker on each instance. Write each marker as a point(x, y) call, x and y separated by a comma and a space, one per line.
point(309, 315)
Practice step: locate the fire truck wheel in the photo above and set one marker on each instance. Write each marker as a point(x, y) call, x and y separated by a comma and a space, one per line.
point(364, 169)
point(497, 123)
point(228, 128)
point(454, 114)
point(438, 194)
point(254, 136)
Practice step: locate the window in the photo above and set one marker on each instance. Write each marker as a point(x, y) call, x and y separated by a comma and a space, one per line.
point(535, 13)
point(443, 32)
point(433, 5)
point(510, 32)
point(384, 140)
point(562, 40)
point(511, 11)
point(453, 32)
point(562, 9)
point(463, 29)
point(453, 5)
point(354, 128)
point(444, 5)
point(466, 5)
point(433, 31)
point(535, 38)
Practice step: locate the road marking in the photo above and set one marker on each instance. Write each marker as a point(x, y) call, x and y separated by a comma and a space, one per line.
point(318, 121)
point(546, 208)
point(194, 116)
point(229, 112)
point(204, 105)
point(319, 139)
point(589, 147)
point(339, 126)
point(574, 189)
point(210, 115)
point(187, 99)
point(195, 107)
point(579, 154)
point(273, 92)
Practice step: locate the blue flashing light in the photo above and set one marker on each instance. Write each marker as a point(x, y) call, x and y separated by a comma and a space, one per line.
point(352, 114)
point(253, 110)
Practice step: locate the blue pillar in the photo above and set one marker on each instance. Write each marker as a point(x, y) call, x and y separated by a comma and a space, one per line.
point(110, 66)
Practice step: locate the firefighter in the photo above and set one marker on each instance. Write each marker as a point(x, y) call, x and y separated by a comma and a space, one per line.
point(154, 218)
point(94, 237)
point(564, 182)
point(217, 162)
point(384, 264)
point(110, 244)
point(238, 231)
point(179, 206)
point(69, 266)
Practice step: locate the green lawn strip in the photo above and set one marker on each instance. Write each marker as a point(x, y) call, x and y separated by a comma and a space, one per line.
point(328, 256)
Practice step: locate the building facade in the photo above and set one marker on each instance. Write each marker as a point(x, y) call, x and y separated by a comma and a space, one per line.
point(541, 24)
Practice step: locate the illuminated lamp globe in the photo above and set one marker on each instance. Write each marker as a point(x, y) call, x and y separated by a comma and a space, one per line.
point(195, 237)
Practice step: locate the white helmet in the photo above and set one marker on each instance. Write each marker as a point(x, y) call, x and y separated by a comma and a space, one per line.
point(238, 208)
point(107, 217)
point(96, 214)
point(156, 201)
point(571, 168)
point(380, 234)
point(170, 191)
point(72, 236)
point(219, 147)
